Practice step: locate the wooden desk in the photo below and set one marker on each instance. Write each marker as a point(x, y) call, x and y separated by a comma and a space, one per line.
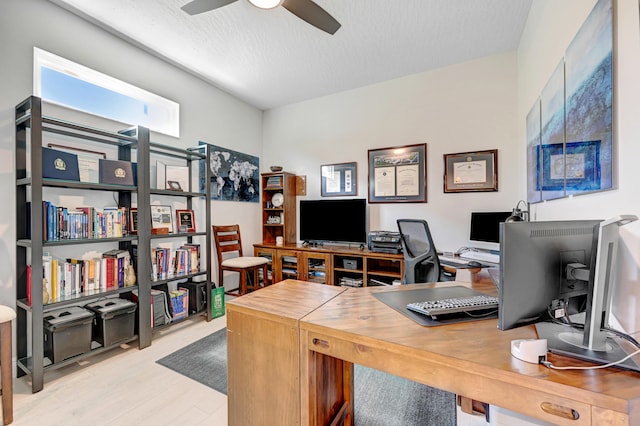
point(470, 359)
point(292, 345)
point(263, 351)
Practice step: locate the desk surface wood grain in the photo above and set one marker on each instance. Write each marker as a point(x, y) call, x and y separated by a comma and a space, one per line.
point(472, 359)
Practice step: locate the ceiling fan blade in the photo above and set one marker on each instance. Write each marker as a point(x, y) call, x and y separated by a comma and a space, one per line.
point(309, 11)
point(199, 6)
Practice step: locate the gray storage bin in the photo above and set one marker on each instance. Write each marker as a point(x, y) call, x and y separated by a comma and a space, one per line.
point(67, 332)
point(114, 320)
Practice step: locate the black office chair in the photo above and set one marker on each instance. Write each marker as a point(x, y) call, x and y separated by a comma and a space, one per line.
point(420, 257)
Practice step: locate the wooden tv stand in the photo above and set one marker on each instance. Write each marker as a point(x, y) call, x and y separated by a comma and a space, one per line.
point(331, 264)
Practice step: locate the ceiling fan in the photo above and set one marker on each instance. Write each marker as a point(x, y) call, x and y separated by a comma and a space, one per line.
point(307, 10)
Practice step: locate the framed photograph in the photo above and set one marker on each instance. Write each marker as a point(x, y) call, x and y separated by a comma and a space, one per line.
point(338, 179)
point(398, 174)
point(162, 218)
point(471, 171)
point(185, 221)
point(133, 220)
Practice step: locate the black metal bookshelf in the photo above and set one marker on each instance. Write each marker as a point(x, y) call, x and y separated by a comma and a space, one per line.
point(31, 128)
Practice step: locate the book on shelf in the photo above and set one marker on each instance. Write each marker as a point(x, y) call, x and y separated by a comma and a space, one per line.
point(159, 309)
point(274, 182)
point(62, 223)
point(182, 261)
point(64, 278)
point(194, 251)
point(46, 271)
point(179, 302)
point(116, 261)
point(29, 279)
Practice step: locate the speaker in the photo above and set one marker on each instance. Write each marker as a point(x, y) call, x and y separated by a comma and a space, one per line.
point(197, 296)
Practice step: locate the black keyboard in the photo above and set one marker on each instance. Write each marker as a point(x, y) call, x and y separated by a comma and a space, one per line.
point(467, 304)
point(458, 264)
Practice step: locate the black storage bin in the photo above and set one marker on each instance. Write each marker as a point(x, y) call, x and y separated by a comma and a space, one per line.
point(114, 320)
point(197, 295)
point(67, 332)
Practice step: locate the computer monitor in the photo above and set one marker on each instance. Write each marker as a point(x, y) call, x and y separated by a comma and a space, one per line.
point(557, 274)
point(484, 229)
point(533, 258)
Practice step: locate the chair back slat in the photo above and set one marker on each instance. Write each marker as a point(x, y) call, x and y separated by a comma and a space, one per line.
point(227, 239)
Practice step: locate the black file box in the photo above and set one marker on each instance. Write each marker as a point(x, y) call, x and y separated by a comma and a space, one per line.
point(114, 320)
point(67, 333)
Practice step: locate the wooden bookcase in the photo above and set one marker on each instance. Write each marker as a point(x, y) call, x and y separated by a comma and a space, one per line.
point(278, 220)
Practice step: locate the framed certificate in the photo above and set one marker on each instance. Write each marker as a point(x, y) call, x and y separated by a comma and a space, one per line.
point(471, 171)
point(185, 221)
point(398, 174)
point(133, 220)
point(338, 179)
point(162, 219)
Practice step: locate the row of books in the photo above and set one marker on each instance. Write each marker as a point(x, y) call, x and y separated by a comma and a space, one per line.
point(274, 182)
point(62, 223)
point(179, 303)
point(71, 277)
point(167, 264)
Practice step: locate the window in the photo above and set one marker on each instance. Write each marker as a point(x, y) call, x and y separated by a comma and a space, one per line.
point(62, 82)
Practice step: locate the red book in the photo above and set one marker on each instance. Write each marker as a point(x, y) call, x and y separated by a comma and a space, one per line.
point(29, 285)
point(110, 262)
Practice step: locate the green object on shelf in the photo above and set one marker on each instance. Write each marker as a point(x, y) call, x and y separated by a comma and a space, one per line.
point(217, 302)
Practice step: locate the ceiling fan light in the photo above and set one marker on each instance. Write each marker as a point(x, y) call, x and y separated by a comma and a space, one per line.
point(266, 4)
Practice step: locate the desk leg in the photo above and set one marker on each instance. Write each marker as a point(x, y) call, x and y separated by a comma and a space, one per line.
point(471, 406)
point(326, 388)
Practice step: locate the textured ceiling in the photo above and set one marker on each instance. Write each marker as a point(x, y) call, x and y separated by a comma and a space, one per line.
point(271, 58)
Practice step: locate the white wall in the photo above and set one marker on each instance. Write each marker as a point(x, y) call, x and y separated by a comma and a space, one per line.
point(461, 108)
point(207, 113)
point(550, 28)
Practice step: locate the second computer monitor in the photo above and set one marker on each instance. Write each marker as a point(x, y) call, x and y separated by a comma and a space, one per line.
point(484, 229)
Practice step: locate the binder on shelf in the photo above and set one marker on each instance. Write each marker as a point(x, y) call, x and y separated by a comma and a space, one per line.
point(59, 165)
point(117, 172)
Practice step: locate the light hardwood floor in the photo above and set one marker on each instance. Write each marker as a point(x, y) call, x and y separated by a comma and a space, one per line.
point(125, 386)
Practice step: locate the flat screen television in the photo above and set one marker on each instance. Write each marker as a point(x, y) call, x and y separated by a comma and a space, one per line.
point(335, 220)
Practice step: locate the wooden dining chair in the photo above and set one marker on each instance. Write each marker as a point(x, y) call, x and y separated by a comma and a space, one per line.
point(230, 258)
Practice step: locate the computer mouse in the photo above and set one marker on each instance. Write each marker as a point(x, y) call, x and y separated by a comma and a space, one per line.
point(474, 264)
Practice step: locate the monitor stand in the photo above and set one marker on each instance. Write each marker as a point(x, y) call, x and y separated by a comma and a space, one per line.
point(567, 341)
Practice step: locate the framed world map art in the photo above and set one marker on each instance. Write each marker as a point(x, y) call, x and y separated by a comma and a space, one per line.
point(235, 175)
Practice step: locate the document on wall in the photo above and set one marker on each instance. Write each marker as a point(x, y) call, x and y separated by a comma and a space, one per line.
point(332, 181)
point(408, 180)
point(385, 181)
point(470, 172)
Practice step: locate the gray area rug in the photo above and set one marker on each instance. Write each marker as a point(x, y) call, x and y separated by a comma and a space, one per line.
point(204, 361)
point(380, 399)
